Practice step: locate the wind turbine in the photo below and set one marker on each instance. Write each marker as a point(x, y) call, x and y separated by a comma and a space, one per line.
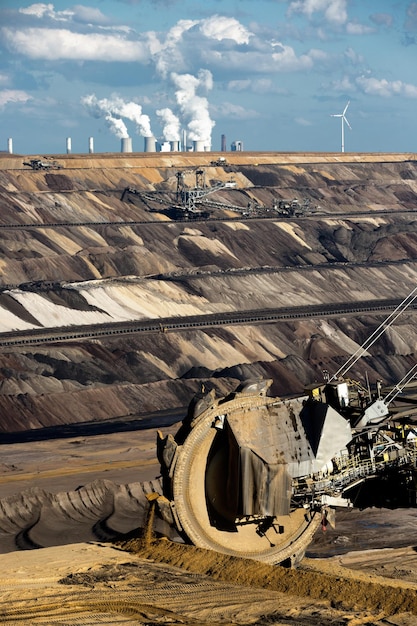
point(343, 120)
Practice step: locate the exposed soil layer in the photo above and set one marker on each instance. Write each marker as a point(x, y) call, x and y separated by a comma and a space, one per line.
point(113, 255)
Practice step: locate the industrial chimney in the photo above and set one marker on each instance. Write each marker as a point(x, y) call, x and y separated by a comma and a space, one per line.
point(150, 144)
point(91, 145)
point(10, 145)
point(126, 144)
point(68, 145)
point(223, 144)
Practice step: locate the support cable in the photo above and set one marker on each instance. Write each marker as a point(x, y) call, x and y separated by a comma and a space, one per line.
point(376, 335)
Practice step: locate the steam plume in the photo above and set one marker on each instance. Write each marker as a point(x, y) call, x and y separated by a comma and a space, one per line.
point(110, 108)
point(99, 109)
point(195, 108)
point(171, 124)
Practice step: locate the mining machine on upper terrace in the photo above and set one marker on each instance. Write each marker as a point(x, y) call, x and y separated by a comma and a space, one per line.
point(254, 476)
point(39, 164)
point(189, 200)
point(189, 197)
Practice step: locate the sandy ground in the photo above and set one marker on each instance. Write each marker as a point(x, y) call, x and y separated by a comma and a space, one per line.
point(64, 464)
point(99, 584)
point(363, 571)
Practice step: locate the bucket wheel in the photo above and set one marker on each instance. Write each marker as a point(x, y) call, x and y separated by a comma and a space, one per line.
point(196, 465)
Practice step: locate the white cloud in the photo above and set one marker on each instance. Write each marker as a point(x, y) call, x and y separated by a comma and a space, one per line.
point(384, 88)
point(240, 85)
point(235, 111)
point(285, 59)
point(9, 96)
point(354, 28)
point(167, 54)
point(353, 56)
point(301, 121)
point(343, 85)
point(318, 55)
point(58, 43)
point(272, 58)
point(78, 13)
point(382, 19)
point(258, 85)
point(220, 27)
point(411, 21)
point(89, 15)
point(41, 10)
point(334, 11)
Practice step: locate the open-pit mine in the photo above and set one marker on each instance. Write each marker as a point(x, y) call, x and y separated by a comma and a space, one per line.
point(218, 349)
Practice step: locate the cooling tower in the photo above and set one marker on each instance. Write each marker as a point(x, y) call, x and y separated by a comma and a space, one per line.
point(68, 145)
point(126, 144)
point(150, 144)
point(10, 145)
point(198, 146)
point(175, 146)
point(91, 145)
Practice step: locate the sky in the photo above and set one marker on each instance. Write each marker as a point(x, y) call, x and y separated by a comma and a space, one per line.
point(269, 73)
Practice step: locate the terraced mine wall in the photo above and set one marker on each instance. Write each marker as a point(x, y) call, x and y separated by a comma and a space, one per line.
point(92, 244)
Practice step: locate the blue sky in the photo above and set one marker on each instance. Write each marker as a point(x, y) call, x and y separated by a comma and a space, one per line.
point(269, 73)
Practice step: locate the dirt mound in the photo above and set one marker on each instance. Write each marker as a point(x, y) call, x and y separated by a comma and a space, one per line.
point(346, 593)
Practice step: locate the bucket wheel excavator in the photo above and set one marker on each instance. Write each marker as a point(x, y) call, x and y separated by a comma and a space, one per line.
point(227, 476)
point(254, 476)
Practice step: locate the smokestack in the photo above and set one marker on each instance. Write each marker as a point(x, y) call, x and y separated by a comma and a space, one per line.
point(223, 148)
point(184, 140)
point(68, 145)
point(91, 145)
point(175, 146)
point(150, 144)
point(198, 146)
point(10, 145)
point(126, 144)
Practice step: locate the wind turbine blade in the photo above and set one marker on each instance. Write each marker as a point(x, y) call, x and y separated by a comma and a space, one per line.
point(345, 109)
point(347, 122)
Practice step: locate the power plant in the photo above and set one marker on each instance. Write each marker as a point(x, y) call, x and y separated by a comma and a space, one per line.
point(152, 144)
